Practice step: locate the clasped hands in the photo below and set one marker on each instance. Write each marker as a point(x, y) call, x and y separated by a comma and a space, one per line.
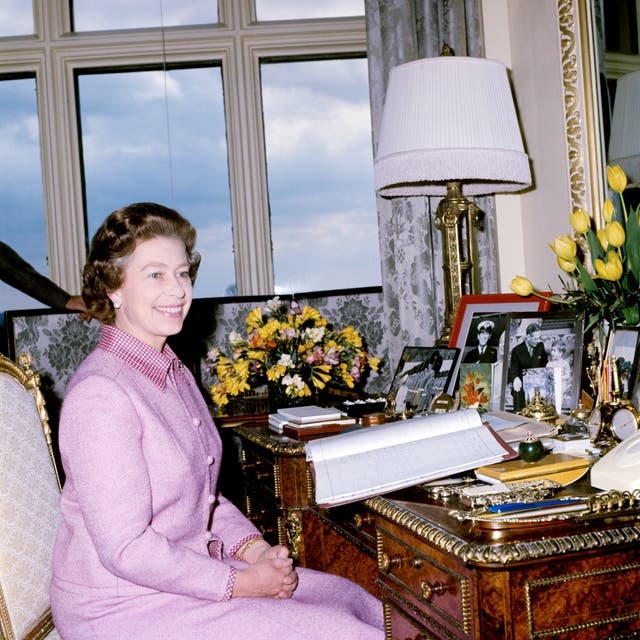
point(269, 574)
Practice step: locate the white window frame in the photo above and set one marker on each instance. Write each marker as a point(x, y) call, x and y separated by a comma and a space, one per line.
point(237, 42)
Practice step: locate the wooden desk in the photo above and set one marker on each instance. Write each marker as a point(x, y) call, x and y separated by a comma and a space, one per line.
point(441, 578)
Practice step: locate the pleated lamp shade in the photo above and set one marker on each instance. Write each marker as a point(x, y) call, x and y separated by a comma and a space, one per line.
point(624, 142)
point(450, 118)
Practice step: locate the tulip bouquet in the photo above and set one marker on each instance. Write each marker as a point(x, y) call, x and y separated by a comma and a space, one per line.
point(291, 351)
point(607, 289)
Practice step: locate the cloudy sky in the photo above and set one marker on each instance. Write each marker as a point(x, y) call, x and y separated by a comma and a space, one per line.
point(154, 136)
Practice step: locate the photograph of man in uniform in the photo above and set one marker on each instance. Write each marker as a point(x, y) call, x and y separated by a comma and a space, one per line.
point(483, 351)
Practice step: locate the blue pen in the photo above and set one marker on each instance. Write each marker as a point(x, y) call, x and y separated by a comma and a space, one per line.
point(510, 507)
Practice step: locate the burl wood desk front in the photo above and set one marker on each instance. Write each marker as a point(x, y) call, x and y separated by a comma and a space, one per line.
point(438, 577)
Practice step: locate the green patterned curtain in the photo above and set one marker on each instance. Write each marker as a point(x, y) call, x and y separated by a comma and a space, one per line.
point(399, 31)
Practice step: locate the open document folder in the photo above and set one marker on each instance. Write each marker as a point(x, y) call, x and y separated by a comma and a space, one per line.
point(360, 464)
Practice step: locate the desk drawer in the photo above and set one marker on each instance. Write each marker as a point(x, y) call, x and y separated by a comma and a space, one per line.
point(265, 515)
point(261, 472)
point(426, 577)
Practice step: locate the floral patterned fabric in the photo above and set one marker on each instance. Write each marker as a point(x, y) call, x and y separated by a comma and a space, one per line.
point(29, 510)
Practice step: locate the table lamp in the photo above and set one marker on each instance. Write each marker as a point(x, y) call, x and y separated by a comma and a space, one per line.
point(624, 141)
point(450, 123)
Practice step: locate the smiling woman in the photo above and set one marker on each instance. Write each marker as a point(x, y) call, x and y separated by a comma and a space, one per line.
point(148, 546)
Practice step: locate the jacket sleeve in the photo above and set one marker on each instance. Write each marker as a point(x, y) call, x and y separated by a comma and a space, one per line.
point(22, 276)
point(101, 442)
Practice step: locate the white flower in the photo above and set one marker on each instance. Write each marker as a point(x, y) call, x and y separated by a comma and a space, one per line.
point(285, 361)
point(274, 304)
point(235, 338)
point(294, 381)
point(213, 354)
point(315, 334)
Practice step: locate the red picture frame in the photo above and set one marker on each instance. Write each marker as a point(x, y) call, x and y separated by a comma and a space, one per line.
point(491, 303)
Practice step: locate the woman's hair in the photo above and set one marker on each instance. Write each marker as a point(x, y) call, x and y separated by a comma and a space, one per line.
point(116, 240)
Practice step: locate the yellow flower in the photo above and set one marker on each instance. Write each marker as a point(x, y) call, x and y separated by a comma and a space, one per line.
point(616, 178)
point(610, 270)
point(254, 318)
point(602, 236)
point(580, 221)
point(566, 265)
point(522, 286)
point(373, 362)
point(615, 234)
point(565, 247)
point(351, 336)
point(608, 210)
point(309, 313)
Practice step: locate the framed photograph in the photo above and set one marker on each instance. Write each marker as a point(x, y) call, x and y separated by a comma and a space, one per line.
point(543, 352)
point(423, 373)
point(476, 385)
point(499, 303)
point(623, 348)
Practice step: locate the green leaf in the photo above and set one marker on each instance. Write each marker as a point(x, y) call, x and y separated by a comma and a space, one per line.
point(595, 248)
point(631, 315)
point(632, 244)
point(585, 278)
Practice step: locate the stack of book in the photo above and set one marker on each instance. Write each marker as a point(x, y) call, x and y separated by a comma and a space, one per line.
point(309, 421)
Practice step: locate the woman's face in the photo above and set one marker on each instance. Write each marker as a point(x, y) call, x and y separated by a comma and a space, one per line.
point(156, 292)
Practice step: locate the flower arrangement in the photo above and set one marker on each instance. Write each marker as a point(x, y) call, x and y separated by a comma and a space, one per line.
point(608, 289)
point(292, 351)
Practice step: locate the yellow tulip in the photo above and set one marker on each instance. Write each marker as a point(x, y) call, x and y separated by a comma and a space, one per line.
point(522, 286)
point(616, 178)
point(615, 234)
point(580, 221)
point(602, 236)
point(610, 270)
point(565, 247)
point(566, 265)
point(608, 210)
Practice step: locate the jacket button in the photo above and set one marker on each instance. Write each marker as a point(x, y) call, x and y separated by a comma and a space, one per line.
point(209, 460)
point(211, 499)
point(208, 535)
point(196, 421)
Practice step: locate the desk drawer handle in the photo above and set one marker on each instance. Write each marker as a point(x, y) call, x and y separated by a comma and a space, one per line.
point(261, 469)
point(362, 519)
point(388, 562)
point(430, 590)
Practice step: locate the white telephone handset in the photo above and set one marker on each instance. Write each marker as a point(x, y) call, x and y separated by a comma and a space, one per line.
point(620, 468)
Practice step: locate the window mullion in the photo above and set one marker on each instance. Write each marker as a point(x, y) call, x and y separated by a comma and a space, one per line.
point(247, 166)
point(59, 153)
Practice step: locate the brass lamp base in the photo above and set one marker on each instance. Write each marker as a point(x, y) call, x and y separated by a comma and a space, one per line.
point(457, 219)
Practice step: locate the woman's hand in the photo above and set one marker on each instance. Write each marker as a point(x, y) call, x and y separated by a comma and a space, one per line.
point(270, 574)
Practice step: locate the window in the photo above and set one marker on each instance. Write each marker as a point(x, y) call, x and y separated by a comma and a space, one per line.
point(22, 220)
point(317, 119)
point(147, 135)
point(89, 15)
point(165, 102)
point(305, 9)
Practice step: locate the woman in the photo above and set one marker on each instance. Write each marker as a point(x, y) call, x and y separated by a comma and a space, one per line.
point(148, 548)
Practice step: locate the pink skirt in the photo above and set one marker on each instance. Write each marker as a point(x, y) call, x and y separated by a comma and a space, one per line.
point(323, 607)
